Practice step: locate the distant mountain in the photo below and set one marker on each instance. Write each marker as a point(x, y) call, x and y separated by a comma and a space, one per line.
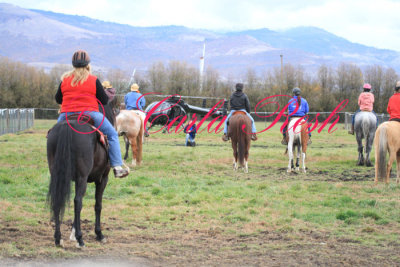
point(46, 38)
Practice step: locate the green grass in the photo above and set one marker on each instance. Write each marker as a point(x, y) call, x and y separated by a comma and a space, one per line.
point(179, 189)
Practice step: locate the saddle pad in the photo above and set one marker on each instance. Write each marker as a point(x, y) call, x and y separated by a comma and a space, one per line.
point(239, 112)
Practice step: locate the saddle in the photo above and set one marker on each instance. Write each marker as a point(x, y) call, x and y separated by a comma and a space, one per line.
point(99, 134)
point(237, 112)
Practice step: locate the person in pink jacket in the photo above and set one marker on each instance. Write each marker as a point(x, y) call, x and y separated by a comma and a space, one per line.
point(366, 103)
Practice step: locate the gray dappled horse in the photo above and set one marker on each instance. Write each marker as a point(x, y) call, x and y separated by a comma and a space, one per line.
point(365, 127)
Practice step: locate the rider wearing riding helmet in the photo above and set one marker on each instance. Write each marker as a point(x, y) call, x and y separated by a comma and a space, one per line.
point(239, 102)
point(366, 103)
point(302, 104)
point(80, 91)
point(394, 104)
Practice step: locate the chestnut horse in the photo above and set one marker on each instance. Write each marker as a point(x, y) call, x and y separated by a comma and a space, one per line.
point(239, 124)
point(387, 140)
point(130, 126)
point(297, 139)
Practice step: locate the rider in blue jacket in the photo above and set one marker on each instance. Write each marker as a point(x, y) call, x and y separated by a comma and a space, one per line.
point(131, 98)
point(295, 101)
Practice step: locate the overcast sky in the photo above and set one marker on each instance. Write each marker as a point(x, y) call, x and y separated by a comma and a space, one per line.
point(370, 22)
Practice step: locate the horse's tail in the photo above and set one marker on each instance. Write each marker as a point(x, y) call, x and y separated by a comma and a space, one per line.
point(380, 152)
point(365, 124)
point(62, 170)
point(243, 138)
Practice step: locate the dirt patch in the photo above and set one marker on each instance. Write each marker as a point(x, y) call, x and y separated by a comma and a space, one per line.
point(198, 247)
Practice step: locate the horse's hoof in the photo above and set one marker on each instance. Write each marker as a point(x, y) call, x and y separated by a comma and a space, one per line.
point(77, 245)
point(103, 241)
point(72, 235)
point(61, 244)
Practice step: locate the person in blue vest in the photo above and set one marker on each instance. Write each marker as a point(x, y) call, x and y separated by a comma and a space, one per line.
point(295, 101)
point(131, 99)
point(190, 134)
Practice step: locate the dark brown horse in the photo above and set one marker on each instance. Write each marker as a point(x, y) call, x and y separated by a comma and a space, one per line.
point(81, 158)
point(238, 130)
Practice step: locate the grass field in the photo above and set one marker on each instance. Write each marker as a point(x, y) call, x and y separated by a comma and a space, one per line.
point(186, 206)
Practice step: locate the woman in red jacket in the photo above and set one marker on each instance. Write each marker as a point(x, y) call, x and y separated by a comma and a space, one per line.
point(394, 104)
point(79, 92)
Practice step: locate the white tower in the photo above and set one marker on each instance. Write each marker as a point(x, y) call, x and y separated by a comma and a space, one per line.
point(201, 67)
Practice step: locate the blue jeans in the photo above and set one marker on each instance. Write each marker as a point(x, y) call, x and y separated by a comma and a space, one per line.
point(107, 128)
point(188, 137)
point(253, 126)
point(353, 117)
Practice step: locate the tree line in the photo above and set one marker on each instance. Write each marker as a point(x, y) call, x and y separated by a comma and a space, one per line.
point(23, 86)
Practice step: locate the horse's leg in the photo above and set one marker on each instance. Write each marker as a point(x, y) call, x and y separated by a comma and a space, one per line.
point(235, 155)
point(398, 168)
point(126, 147)
point(134, 151)
point(80, 189)
point(298, 157)
point(370, 141)
point(139, 143)
point(360, 161)
point(57, 233)
point(392, 157)
point(100, 186)
point(290, 152)
point(246, 157)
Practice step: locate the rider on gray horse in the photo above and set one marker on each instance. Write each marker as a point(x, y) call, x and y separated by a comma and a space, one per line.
point(366, 103)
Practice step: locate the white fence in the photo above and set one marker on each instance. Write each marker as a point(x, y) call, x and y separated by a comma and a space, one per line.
point(14, 119)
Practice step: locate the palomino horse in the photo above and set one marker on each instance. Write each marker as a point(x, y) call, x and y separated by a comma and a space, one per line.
point(240, 139)
point(365, 127)
point(130, 126)
point(73, 156)
point(387, 140)
point(300, 140)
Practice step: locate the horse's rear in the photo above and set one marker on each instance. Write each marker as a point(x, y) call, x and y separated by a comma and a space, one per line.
point(241, 138)
point(387, 140)
point(77, 157)
point(297, 139)
point(130, 125)
point(365, 127)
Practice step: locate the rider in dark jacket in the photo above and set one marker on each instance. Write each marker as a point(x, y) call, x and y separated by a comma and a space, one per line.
point(239, 102)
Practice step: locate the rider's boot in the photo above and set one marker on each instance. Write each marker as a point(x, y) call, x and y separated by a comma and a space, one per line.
point(120, 172)
point(254, 137)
